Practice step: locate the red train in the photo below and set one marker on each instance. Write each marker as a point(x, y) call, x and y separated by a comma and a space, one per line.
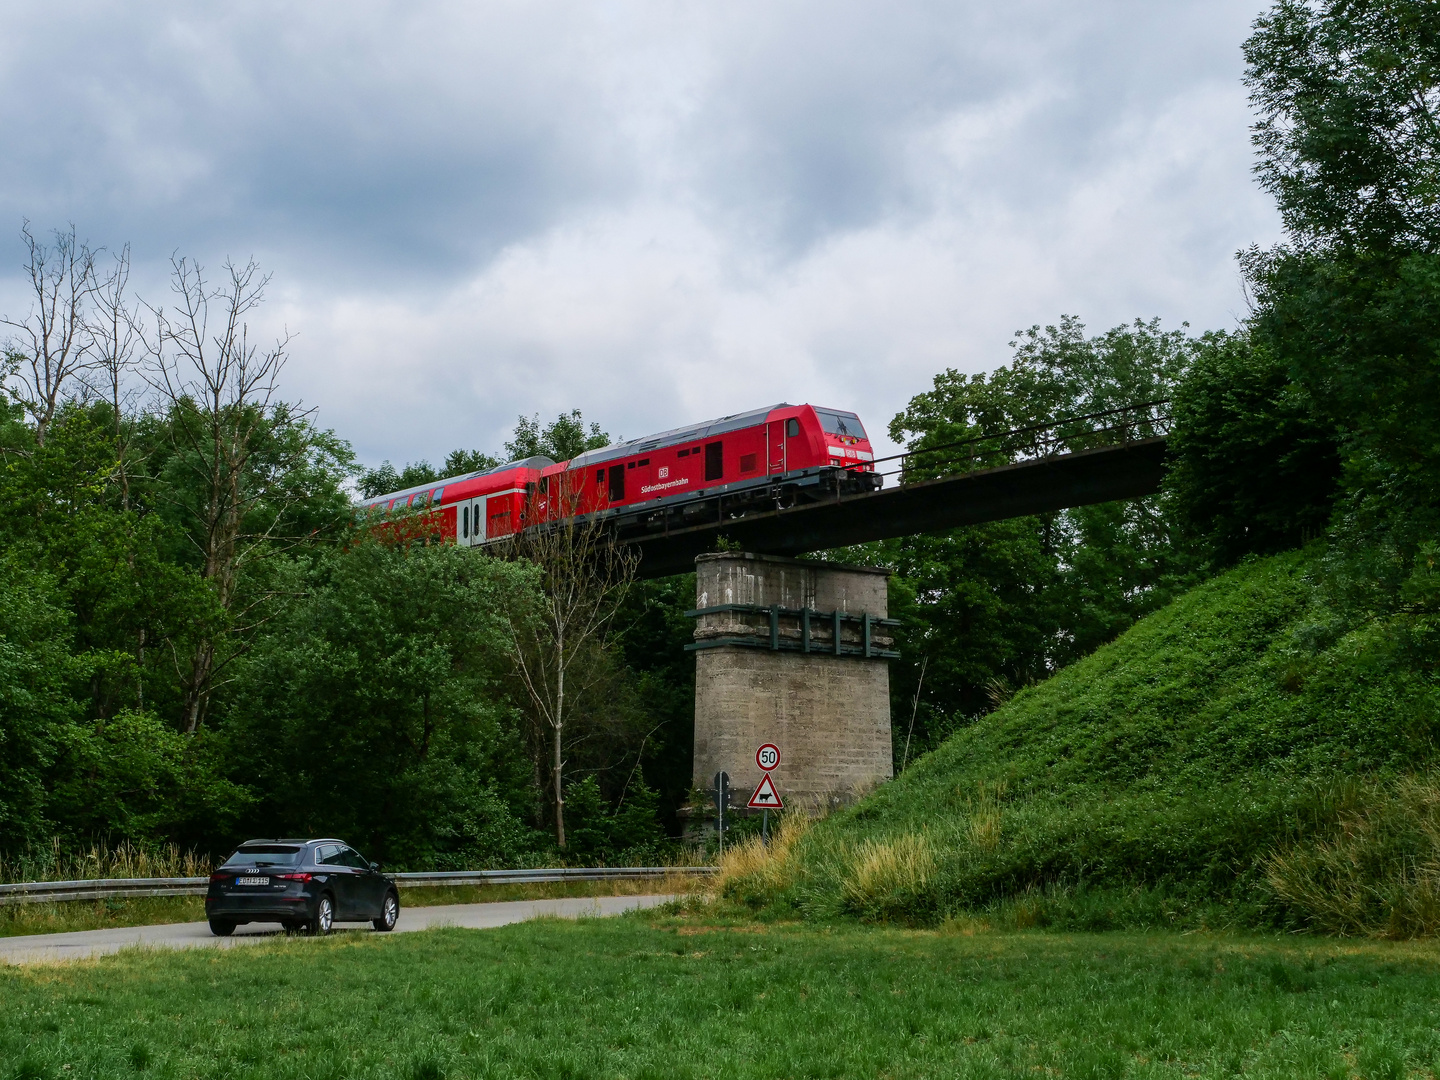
point(776, 457)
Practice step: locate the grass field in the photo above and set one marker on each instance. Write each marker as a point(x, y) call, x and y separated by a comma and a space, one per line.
point(675, 995)
point(16, 919)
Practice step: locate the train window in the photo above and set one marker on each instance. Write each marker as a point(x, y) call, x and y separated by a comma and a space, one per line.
point(600, 475)
point(544, 484)
point(747, 462)
point(617, 482)
point(838, 423)
point(682, 453)
point(643, 462)
point(792, 427)
point(714, 460)
point(631, 465)
point(465, 521)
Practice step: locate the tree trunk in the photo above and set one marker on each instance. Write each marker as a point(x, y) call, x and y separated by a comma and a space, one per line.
point(559, 795)
point(559, 729)
point(195, 693)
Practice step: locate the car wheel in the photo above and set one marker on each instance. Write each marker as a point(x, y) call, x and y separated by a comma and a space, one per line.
point(389, 913)
point(221, 928)
point(324, 917)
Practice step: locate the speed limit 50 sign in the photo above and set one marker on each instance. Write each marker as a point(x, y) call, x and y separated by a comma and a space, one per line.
point(767, 757)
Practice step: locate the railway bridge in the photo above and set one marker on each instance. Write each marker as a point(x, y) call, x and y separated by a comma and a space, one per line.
point(1124, 469)
point(795, 652)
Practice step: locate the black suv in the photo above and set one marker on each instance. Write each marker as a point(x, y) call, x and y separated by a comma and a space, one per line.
point(302, 885)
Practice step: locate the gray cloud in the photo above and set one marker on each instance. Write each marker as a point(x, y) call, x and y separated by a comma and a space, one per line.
point(652, 211)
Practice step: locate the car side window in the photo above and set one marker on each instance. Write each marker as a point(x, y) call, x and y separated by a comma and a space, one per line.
point(330, 855)
point(354, 859)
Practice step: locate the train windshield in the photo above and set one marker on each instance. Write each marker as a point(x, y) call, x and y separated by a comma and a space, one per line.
point(840, 423)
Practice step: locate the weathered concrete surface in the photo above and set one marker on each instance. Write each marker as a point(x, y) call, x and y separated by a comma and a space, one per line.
point(829, 715)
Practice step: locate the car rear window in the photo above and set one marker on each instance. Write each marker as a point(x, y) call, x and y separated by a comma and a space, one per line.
point(266, 855)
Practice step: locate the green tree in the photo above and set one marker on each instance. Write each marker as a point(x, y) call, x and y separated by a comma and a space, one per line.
point(247, 475)
point(1254, 462)
point(1348, 93)
point(653, 630)
point(989, 608)
point(36, 709)
point(458, 462)
point(562, 641)
point(566, 437)
point(1348, 97)
point(375, 707)
point(385, 479)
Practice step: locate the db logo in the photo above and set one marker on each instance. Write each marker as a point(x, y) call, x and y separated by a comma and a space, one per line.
point(662, 472)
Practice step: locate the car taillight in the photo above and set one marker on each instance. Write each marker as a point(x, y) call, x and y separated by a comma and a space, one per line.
point(292, 877)
point(219, 877)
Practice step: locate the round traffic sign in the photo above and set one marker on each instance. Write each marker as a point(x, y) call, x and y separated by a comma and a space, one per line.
point(767, 757)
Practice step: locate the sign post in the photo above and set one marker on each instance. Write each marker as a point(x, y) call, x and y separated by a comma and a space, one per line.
point(765, 796)
point(722, 796)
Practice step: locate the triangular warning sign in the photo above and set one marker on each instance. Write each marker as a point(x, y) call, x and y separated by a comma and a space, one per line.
point(765, 797)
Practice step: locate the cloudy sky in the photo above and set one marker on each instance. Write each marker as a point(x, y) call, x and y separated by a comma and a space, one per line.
point(654, 212)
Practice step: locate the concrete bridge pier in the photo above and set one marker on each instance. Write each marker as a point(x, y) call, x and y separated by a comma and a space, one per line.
point(793, 653)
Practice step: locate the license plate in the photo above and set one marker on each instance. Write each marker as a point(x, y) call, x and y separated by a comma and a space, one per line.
point(252, 881)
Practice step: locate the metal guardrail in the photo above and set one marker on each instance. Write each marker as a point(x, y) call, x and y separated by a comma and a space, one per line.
point(35, 892)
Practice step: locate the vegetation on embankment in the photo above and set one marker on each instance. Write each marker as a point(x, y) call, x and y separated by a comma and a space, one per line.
point(1245, 756)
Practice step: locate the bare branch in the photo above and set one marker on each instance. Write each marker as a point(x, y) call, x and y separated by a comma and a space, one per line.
point(51, 346)
point(114, 339)
point(220, 391)
point(584, 578)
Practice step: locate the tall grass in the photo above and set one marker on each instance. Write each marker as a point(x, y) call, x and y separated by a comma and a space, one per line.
point(124, 860)
point(889, 877)
point(753, 871)
point(1376, 870)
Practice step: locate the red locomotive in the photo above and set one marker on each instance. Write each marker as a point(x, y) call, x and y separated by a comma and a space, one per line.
point(768, 458)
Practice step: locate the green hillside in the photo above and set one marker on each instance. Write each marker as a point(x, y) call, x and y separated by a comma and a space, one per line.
point(1243, 756)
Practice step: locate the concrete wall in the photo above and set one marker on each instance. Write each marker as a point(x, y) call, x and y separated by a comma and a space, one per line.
point(829, 715)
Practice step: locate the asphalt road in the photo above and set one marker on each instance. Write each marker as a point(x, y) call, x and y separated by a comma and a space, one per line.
point(80, 944)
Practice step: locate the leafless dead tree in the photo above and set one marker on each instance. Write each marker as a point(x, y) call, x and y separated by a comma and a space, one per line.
point(584, 578)
point(50, 346)
point(114, 340)
point(221, 391)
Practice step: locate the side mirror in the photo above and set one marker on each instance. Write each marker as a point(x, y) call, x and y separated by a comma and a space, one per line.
point(375, 866)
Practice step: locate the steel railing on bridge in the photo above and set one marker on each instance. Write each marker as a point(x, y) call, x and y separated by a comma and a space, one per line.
point(1088, 431)
point(34, 892)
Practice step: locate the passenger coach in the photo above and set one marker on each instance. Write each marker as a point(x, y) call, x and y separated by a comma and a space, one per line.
point(780, 456)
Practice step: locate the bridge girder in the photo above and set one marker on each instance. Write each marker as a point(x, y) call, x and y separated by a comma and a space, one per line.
point(1042, 485)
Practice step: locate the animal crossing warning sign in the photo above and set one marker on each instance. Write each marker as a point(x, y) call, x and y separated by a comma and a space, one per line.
point(765, 797)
